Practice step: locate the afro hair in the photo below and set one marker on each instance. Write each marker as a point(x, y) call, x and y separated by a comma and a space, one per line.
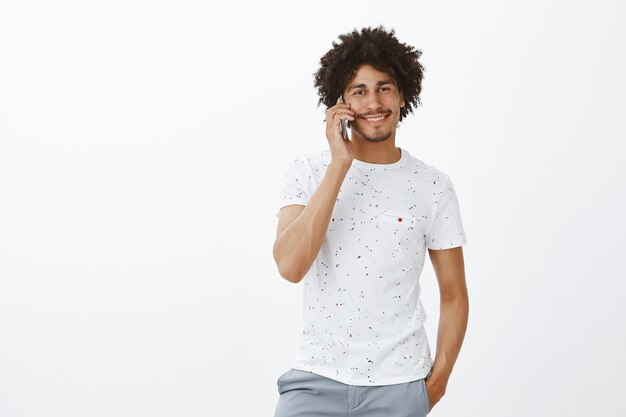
point(378, 48)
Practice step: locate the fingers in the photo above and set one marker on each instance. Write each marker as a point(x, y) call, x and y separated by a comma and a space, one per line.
point(349, 115)
point(336, 113)
point(340, 104)
point(340, 109)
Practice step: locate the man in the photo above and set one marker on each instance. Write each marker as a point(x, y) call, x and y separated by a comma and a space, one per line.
point(354, 225)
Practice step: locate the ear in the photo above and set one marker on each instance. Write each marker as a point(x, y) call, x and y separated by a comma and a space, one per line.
point(401, 99)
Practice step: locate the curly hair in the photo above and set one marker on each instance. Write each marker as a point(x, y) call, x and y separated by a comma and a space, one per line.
point(378, 48)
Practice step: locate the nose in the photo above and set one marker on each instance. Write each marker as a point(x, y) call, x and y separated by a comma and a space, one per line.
point(374, 102)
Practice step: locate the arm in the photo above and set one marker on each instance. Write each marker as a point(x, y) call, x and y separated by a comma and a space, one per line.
point(454, 310)
point(301, 229)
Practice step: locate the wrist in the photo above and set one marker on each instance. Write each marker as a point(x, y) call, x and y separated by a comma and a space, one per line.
point(340, 163)
point(438, 375)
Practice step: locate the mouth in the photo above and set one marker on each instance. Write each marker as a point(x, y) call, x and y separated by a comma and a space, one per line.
point(376, 119)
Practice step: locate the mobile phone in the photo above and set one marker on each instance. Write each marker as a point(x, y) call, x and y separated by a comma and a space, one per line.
point(344, 128)
point(344, 123)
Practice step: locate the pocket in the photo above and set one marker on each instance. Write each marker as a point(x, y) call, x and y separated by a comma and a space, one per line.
point(397, 236)
point(400, 218)
point(295, 379)
point(426, 397)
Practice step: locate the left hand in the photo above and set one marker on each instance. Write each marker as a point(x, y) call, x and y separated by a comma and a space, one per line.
point(435, 391)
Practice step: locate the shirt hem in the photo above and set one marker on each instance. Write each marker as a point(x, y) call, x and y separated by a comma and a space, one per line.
point(450, 246)
point(423, 373)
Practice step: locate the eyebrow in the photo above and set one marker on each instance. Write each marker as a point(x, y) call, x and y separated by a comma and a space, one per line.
point(383, 82)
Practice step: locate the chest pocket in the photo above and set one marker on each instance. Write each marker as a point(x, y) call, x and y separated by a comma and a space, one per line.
point(397, 236)
point(400, 218)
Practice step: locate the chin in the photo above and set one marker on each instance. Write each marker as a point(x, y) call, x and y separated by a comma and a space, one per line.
point(376, 137)
point(379, 138)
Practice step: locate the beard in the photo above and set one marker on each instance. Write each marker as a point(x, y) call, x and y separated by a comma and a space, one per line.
point(377, 136)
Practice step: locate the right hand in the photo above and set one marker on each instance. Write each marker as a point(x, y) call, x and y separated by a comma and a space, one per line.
point(341, 148)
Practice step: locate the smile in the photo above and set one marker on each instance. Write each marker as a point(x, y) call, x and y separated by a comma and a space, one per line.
point(376, 119)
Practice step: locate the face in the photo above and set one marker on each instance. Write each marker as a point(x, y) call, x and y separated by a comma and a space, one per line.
point(376, 101)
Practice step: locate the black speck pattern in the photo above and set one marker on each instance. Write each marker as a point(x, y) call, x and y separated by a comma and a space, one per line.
point(363, 317)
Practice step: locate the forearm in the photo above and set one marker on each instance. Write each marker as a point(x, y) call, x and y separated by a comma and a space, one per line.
point(300, 242)
point(453, 318)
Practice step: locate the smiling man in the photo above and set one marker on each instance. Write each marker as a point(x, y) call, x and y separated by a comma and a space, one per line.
point(355, 223)
point(377, 112)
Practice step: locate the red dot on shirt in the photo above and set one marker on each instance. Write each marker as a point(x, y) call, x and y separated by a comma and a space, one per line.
point(399, 219)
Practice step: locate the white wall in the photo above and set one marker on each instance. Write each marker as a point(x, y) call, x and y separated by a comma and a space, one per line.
point(141, 148)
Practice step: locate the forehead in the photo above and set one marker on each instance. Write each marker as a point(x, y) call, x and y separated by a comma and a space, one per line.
point(367, 74)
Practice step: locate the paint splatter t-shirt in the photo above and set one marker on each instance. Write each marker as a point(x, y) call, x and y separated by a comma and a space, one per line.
point(363, 317)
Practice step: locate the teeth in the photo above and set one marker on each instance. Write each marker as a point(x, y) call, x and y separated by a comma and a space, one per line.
point(376, 119)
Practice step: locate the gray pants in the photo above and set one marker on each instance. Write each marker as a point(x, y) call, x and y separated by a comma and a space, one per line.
point(306, 394)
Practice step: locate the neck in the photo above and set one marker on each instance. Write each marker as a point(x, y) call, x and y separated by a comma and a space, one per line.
point(375, 152)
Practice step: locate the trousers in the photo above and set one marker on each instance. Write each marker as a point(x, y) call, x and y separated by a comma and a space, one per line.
point(306, 394)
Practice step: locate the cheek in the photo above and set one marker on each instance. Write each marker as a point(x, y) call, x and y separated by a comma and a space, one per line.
point(355, 105)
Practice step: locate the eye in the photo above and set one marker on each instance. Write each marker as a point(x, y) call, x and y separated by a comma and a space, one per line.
point(385, 88)
point(358, 92)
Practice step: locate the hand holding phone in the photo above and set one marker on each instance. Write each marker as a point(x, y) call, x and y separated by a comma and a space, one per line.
point(337, 118)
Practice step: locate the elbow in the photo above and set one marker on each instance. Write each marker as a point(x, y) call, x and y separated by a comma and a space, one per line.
point(291, 277)
point(287, 270)
point(291, 272)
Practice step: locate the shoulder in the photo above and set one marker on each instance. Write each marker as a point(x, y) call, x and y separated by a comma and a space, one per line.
point(317, 158)
point(308, 163)
point(430, 174)
point(312, 160)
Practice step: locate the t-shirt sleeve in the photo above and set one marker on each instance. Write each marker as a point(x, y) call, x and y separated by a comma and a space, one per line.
point(446, 230)
point(293, 184)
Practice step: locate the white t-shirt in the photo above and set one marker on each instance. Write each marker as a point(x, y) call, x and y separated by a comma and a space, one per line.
point(363, 317)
